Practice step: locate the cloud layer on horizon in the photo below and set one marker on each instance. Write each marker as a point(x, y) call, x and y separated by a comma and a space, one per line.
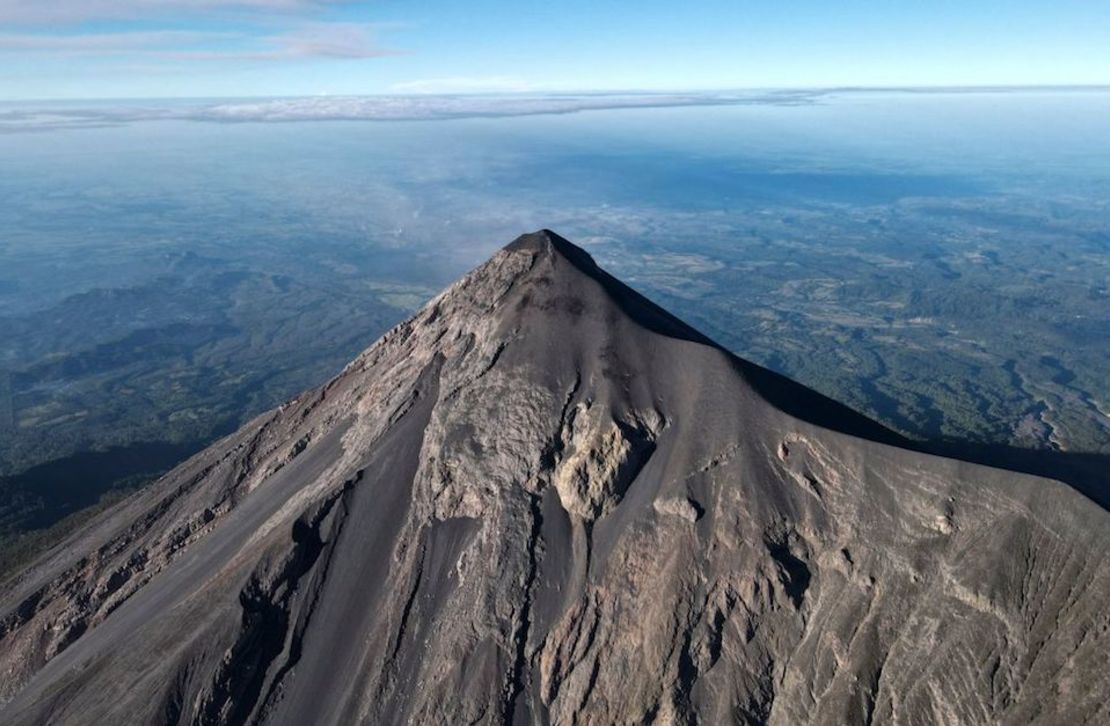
point(73, 115)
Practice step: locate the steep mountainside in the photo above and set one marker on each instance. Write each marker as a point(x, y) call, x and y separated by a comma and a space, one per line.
point(543, 499)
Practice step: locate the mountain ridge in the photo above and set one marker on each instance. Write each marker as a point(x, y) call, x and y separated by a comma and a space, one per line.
point(545, 499)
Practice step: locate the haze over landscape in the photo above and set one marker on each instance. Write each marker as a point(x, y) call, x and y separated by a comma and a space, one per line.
point(209, 208)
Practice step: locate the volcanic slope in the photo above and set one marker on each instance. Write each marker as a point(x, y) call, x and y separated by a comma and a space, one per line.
point(543, 499)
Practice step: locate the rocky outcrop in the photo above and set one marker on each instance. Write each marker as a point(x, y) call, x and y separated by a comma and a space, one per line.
point(543, 499)
point(600, 457)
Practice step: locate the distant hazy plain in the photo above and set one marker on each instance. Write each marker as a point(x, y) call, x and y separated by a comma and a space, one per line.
point(938, 260)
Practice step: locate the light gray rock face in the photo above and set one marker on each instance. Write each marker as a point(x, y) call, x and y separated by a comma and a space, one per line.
point(545, 500)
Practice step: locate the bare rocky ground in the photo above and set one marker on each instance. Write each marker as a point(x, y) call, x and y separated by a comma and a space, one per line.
point(543, 499)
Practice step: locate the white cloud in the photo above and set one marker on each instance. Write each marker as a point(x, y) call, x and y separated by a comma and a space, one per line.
point(309, 40)
point(435, 107)
point(373, 108)
point(73, 11)
point(331, 40)
point(104, 43)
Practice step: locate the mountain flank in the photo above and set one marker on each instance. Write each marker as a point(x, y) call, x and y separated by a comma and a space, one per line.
point(544, 499)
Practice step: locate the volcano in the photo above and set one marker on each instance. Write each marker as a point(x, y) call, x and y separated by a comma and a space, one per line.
point(543, 499)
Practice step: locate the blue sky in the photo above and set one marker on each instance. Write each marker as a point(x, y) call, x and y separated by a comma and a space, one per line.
point(236, 48)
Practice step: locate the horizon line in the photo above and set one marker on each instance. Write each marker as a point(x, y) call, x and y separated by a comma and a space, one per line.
point(817, 90)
